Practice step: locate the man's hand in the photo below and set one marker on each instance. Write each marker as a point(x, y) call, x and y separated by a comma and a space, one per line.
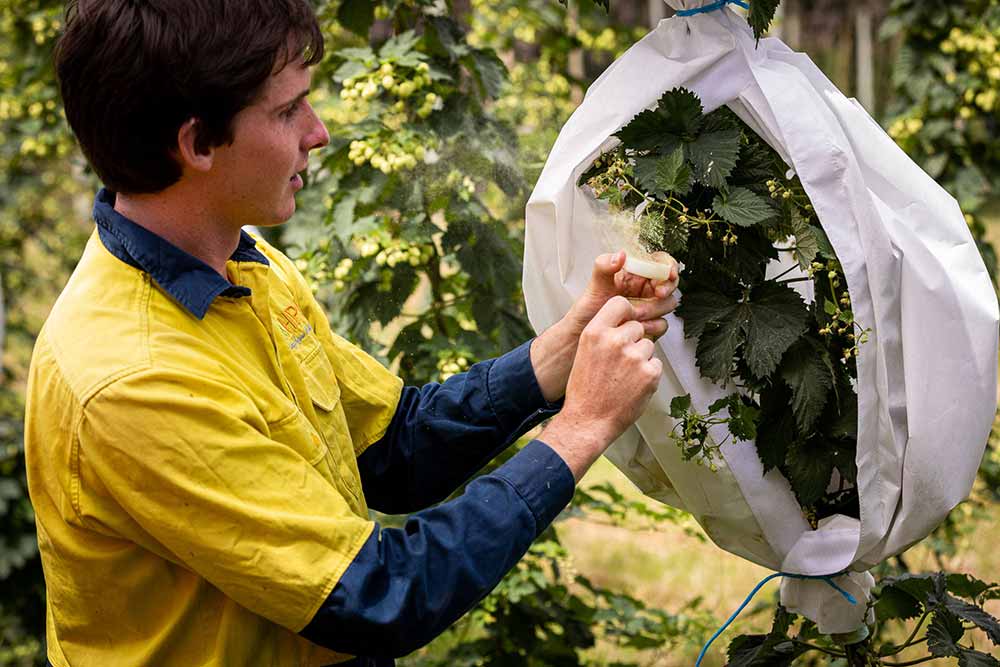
point(552, 352)
point(652, 299)
point(612, 379)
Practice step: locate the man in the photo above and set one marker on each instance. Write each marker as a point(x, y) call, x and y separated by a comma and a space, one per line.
point(202, 450)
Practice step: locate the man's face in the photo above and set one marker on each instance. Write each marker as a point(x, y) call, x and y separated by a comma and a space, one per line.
point(258, 175)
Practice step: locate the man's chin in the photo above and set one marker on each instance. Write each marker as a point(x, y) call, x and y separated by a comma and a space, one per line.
point(281, 217)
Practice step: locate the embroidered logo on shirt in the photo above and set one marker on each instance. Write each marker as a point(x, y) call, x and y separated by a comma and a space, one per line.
point(294, 325)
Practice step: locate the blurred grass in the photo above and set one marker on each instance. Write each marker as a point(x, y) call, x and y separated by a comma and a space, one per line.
point(666, 568)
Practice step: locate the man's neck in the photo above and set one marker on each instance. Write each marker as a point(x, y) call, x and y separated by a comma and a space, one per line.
point(177, 217)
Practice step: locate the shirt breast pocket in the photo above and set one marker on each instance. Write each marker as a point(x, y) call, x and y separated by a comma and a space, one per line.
point(297, 432)
point(324, 391)
point(320, 380)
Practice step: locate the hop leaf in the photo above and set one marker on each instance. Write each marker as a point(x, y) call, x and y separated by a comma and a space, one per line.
point(943, 633)
point(702, 306)
point(776, 430)
point(825, 247)
point(742, 207)
point(657, 232)
point(399, 45)
point(488, 71)
point(720, 325)
point(357, 16)
point(676, 117)
point(966, 586)
point(806, 240)
point(652, 228)
point(971, 188)
point(809, 471)
point(718, 345)
point(777, 317)
point(896, 603)
point(924, 587)
point(681, 112)
point(680, 405)
point(742, 415)
point(760, 16)
point(768, 323)
point(713, 156)
point(973, 658)
point(663, 176)
point(974, 614)
point(756, 164)
point(648, 131)
point(807, 370)
point(775, 649)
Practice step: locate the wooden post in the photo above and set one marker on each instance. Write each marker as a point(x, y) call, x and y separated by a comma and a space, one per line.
point(791, 24)
point(657, 12)
point(864, 53)
point(842, 58)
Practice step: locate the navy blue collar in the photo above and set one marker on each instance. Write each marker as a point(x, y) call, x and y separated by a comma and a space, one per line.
point(190, 281)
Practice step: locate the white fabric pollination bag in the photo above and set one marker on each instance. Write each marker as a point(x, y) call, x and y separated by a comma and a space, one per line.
point(927, 377)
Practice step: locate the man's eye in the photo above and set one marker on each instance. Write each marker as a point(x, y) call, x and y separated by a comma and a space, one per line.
point(291, 111)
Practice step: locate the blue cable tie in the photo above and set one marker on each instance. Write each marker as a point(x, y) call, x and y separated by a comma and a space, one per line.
point(828, 578)
point(715, 6)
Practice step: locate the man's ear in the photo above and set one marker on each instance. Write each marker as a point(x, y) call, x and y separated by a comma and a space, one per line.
point(188, 149)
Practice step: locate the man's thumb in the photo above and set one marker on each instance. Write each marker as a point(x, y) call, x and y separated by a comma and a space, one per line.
point(605, 268)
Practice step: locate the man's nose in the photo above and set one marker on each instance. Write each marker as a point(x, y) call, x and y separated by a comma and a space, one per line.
point(318, 135)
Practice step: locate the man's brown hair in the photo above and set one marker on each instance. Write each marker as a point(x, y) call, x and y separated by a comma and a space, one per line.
point(131, 72)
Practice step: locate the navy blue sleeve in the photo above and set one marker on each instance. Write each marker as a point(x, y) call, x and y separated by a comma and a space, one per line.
point(443, 433)
point(407, 585)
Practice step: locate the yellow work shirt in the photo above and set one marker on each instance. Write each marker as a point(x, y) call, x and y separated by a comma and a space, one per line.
point(195, 481)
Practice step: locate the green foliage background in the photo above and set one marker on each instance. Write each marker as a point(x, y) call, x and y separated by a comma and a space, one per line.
point(417, 254)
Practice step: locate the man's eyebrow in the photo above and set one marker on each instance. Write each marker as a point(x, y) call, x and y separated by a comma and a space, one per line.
point(293, 102)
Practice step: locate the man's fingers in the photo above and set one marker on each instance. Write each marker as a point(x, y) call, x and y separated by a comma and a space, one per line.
point(606, 267)
point(664, 288)
point(628, 283)
point(655, 369)
point(614, 312)
point(636, 286)
point(651, 309)
point(655, 328)
point(632, 331)
point(660, 307)
point(645, 348)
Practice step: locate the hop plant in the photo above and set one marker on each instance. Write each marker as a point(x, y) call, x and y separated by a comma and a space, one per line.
point(452, 363)
point(712, 193)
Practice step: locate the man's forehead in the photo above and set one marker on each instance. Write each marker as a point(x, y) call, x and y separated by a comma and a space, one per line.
point(292, 80)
